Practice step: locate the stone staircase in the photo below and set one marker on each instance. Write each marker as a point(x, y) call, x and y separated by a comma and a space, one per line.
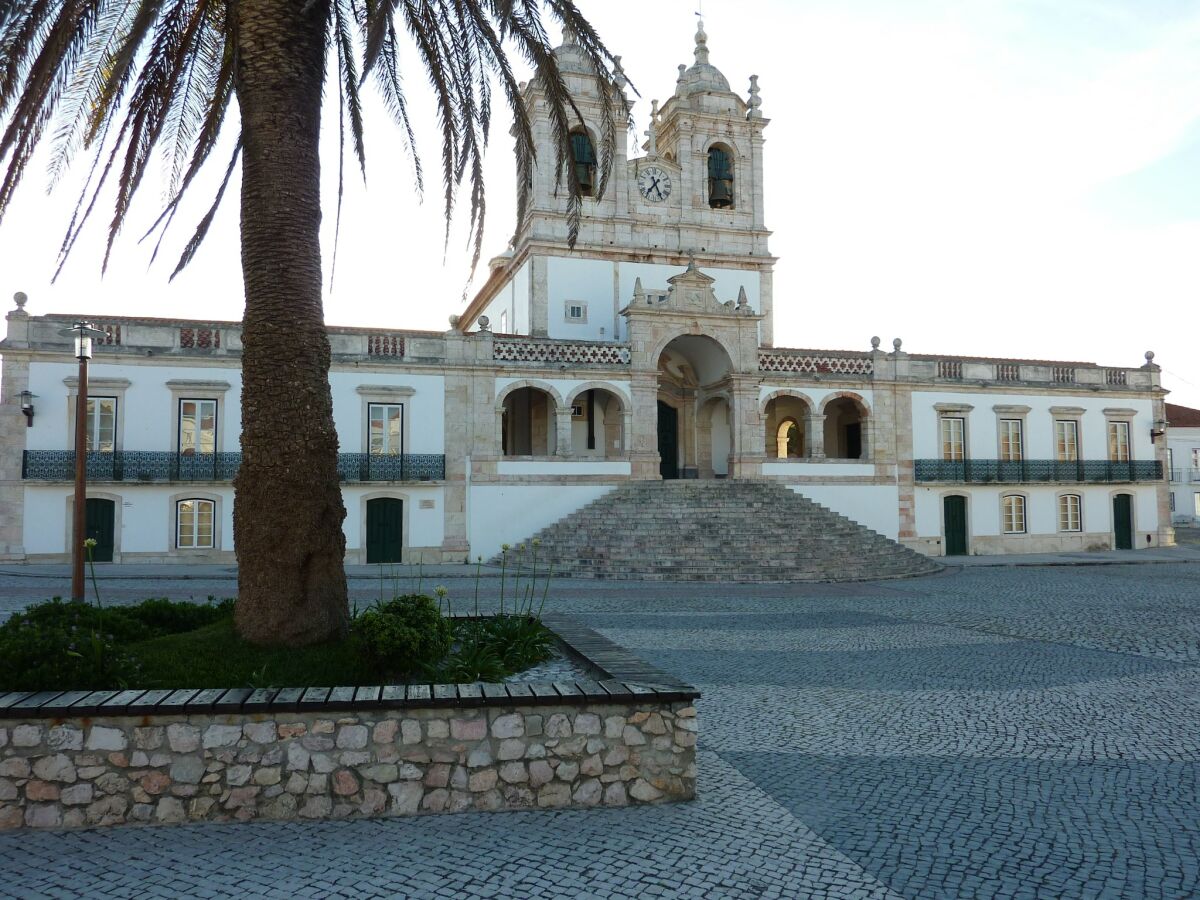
point(721, 530)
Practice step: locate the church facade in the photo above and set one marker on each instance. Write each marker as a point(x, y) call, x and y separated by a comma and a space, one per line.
point(645, 352)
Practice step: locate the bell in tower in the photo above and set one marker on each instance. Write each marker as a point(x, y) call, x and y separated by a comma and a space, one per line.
point(720, 179)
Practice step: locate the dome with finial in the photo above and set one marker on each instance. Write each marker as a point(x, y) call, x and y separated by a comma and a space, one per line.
point(702, 75)
point(570, 55)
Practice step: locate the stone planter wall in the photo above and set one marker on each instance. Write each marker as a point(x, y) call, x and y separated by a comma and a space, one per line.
point(87, 758)
point(79, 772)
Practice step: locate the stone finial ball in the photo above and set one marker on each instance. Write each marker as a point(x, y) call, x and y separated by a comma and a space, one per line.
point(484, 321)
point(875, 343)
point(897, 344)
point(1149, 356)
point(454, 320)
point(20, 298)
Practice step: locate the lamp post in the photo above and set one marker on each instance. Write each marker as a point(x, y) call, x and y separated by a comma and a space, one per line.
point(83, 333)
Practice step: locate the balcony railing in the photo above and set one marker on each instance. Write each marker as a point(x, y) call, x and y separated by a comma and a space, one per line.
point(151, 466)
point(996, 471)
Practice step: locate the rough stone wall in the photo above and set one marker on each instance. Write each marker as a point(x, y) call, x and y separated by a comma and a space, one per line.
point(72, 773)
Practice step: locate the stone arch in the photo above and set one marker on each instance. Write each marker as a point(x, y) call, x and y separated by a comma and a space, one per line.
point(615, 422)
point(726, 342)
point(528, 414)
point(847, 423)
point(721, 164)
point(794, 406)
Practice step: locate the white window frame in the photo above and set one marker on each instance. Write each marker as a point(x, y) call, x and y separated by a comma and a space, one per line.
point(1066, 440)
point(94, 418)
point(1119, 446)
point(1007, 429)
point(1009, 520)
point(1068, 517)
point(947, 438)
point(388, 447)
point(192, 540)
point(580, 319)
point(198, 434)
point(504, 321)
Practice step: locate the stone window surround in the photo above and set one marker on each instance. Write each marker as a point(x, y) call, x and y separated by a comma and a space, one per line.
point(1067, 414)
point(173, 548)
point(954, 411)
point(735, 164)
point(1058, 505)
point(395, 394)
point(954, 492)
point(1114, 415)
point(1024, 497)
point(97, 387)
point(575, 320)
point(197, 389)
point(1010, 411)
point(406, 502)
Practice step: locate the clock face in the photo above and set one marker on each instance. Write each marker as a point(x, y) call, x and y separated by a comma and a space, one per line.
point(654, 184)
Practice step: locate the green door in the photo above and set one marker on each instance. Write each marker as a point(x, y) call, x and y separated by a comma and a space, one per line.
point(385, 530)
point(668, 441)
point(955, 513)
point(99, 516)
point(1123, 521)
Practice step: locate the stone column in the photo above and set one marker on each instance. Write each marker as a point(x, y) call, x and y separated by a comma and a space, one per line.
point(642, 436)
point(814, 435)
point(562, 432)
point(746, 429)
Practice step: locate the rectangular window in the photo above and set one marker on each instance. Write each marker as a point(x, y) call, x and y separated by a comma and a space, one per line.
point(1066, 436)
point(504, 322)
point(386, 428)
point(1118, 441)
point(1171, 476)
point(197, 427)
point(194, 524)
point(1068, 513)
point(1014, 514)
point(953, 437)
point(1172, 496)
point(1196, 504)
point(575, 311)
point(1196, 457)
point(101, 424)
point(1011, 449)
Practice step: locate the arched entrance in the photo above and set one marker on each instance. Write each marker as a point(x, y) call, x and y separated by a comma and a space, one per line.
point(693, 371)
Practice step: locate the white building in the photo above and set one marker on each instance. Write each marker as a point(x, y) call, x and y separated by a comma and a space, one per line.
point(1183, 463)
point(645, 352)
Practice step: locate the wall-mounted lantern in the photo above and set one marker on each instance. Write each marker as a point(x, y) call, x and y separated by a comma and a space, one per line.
point(27, 407)
point(1158, 429)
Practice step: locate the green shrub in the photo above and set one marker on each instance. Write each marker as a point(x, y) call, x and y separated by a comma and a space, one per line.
point(66, 649)
point(403, 635)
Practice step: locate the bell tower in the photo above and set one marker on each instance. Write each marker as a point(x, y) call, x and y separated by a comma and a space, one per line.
point(695, 192)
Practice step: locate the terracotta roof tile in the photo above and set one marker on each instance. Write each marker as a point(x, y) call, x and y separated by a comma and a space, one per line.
point(1183, 416)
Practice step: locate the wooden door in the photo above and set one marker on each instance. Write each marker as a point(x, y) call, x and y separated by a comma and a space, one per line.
point(955, 514)
point(100, 516)
point(1123, 521)
point(668, 440)
point(385, 530)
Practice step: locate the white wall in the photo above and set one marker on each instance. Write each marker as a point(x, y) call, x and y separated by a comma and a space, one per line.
point(590, 281)
point(809, 469)
point(146, 416)
point(982, 423)
point(500, 514)
point(726, 282)
point(562, 467)
point(1041, 507)
point(874, 505)
point(422, 527)
point(425, 410)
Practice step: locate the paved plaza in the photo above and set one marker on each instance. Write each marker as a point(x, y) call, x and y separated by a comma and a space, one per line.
point(984, 732)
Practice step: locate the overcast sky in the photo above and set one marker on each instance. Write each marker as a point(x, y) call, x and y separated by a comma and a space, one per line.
point(1012, 178)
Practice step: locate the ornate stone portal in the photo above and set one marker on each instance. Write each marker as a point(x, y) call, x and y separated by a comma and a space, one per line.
point(699, 358)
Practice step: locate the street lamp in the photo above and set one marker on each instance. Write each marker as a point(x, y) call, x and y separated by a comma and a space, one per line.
point(27, 398)
point(83, 333)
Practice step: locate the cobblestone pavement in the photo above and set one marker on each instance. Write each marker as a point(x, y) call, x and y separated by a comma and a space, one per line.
point(990, 732)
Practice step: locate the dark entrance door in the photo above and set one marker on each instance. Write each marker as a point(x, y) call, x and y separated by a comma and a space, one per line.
point(385, 530)
point(854, 441)
point(1123, 521)
point(99, 517)
point(668, 440)
point(955, 515)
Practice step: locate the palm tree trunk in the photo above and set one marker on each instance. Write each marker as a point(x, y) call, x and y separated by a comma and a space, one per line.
point(288, 509)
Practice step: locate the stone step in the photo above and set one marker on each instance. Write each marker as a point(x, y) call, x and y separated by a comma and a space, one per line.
point(721, 530)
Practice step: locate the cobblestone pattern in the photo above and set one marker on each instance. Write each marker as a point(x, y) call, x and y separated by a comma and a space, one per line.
point(1029, 782)
point(161, 769)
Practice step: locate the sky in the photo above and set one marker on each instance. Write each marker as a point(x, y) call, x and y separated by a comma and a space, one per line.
point(1012, 178)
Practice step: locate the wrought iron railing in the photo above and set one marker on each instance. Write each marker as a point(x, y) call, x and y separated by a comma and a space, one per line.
point(156, 466)
point(997, 471)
